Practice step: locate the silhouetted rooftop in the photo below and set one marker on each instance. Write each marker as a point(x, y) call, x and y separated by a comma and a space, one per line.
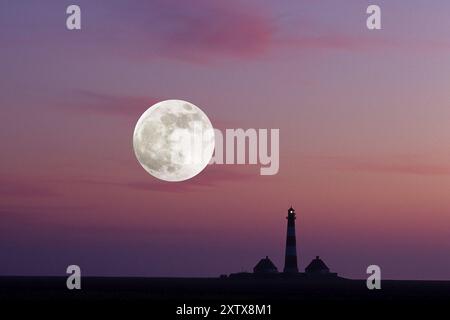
point(317, 266)
point(265, 266)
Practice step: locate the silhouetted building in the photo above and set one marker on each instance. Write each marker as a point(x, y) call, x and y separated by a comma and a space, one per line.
point(318, 268)
point(290, 260)
point(265, 266)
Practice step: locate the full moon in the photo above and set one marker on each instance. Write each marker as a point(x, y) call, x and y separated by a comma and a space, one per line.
point(173, 140)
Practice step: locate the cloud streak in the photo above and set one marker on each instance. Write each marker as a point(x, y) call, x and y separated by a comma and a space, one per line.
point(406, 168)
point(211, 177)
point(90, 102)
point(211, 29)
point(203, 31)
point(387, 165)
point(27, 189)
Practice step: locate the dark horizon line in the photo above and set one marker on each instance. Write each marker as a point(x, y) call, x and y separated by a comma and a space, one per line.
point(200, 277)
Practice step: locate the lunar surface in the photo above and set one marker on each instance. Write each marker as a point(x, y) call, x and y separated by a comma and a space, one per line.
point(173, 140)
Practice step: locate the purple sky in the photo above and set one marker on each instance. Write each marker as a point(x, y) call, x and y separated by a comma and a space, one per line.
point(363, 118)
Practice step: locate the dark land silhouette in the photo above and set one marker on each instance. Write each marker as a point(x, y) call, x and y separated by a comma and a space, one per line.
point(287, 296)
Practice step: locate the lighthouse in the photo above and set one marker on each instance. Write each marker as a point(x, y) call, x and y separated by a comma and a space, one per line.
point(290, 260)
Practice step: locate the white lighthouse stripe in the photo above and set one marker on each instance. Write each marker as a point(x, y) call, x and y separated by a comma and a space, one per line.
point(291, 251)
point(291, 231)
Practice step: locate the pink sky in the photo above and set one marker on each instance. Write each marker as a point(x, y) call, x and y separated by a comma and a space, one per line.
point(363, 118)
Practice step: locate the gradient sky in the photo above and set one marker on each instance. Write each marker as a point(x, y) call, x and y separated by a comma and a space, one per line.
point(364, 132)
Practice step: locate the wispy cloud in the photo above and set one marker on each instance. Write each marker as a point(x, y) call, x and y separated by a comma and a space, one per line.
point(108, 104)
point(24, 189)
point(405, 168)
point(196, 31)
point(413, 165)
point(204, 31)
point(211, 177)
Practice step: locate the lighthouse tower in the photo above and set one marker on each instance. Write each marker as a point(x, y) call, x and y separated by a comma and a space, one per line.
point(290, 260)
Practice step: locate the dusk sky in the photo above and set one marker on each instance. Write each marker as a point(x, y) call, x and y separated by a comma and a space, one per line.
point(364, 136)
